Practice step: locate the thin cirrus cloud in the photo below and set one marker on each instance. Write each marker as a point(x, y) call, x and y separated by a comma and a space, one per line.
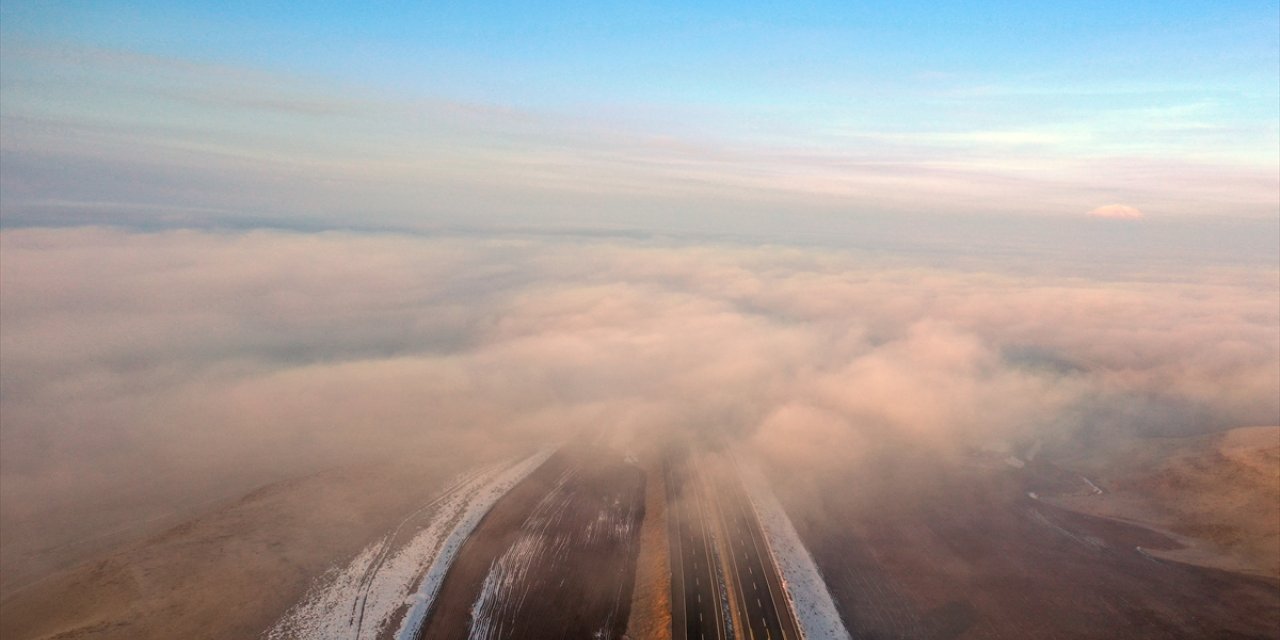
point(88, 130)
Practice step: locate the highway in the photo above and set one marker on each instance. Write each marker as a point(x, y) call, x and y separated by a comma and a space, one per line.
point(710, 570)
point(696, 613)
point(763, 612)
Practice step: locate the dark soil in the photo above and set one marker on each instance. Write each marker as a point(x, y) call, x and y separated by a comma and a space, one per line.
point(966, 553)
point(562, 549)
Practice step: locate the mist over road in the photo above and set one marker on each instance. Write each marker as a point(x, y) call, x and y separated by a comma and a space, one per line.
point(722, 574)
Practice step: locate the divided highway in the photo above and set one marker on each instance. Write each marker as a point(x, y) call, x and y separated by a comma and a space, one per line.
point(732, 566)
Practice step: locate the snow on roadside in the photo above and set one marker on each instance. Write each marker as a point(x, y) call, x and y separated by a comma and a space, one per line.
point(362, 599)
point(807, 591)
point(467, 519)
point(325, 612)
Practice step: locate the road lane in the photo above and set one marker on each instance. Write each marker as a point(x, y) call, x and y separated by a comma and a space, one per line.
point(760, 610)
point(696, 613)
point(762, 604)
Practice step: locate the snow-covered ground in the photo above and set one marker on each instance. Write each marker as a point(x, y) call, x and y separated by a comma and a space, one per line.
point(360, 600)
point(466, 522)
point(805, 587)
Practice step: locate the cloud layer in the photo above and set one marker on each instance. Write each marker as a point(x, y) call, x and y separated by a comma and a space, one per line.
point(147, 366)
point(95, 135)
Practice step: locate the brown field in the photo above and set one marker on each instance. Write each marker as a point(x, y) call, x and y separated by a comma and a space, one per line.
point(962, 551)
point(229, 573)
point(554, 558)
point(910, 548)
point(1220, 494)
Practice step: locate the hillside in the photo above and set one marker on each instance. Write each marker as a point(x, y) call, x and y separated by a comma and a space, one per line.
point(1219, 493)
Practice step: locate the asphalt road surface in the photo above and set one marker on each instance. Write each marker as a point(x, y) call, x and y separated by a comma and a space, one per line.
point(700, 589)
point(696, 611)
point(762, 605)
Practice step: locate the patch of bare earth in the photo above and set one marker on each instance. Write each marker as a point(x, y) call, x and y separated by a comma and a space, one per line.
point(1220, 495)
point(651, 602)
point(554, 558)
point(229, 573)
point(922, 549)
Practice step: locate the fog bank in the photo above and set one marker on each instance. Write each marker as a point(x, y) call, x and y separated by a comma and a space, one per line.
point(145, 368)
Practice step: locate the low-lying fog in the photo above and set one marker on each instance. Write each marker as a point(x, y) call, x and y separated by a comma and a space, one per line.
point(144, 372)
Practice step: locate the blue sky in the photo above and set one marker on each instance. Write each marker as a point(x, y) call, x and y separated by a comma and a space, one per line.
point(546, 110)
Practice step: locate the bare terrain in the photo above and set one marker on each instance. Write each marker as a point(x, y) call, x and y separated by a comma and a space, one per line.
point(229, 573)
point(910, 547)
point(1219, 494)
point(554, 558)
point(925, 549)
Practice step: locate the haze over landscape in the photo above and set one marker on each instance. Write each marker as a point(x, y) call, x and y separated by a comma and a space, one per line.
point(930, 321)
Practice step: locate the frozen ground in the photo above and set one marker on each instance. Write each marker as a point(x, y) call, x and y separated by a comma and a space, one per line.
point(554, 558)
point(510, 581)
point(551, 535)
point(805, 587)
point(365, 598)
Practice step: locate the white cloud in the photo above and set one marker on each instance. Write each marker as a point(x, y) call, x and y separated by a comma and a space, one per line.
point(1117, 212)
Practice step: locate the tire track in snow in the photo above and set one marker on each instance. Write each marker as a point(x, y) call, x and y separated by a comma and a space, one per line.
point(396, 576)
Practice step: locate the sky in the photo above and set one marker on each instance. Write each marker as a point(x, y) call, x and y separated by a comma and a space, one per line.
point(641, 115)
point(244, 241)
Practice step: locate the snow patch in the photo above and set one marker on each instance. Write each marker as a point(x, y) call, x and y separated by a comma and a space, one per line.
point(360, 600)
point(801, 579)
point(547, 537)
point(471, 514)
